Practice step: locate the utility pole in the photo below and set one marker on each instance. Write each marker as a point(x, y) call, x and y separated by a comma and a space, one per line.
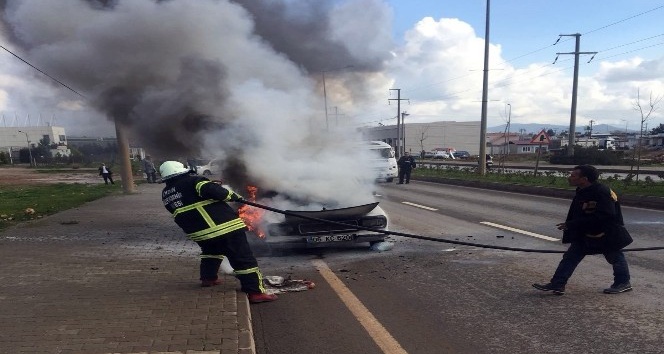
point(481, 169)
point(336, 115)
point(123, 154)
point(399, 146)
point(575, 84)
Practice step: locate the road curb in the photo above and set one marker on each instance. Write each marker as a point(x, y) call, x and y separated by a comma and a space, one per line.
point(246, 344)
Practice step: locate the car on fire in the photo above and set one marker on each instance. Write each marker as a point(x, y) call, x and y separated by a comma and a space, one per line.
point(309, 229)
point(342, 229)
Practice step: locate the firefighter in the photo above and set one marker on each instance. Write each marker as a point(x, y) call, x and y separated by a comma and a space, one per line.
point(199, 208)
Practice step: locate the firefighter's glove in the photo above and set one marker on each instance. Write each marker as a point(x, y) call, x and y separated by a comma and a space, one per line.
point(236, 197)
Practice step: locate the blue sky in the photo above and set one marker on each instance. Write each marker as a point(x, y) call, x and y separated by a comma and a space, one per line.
point(523, 26)
point(628, 36)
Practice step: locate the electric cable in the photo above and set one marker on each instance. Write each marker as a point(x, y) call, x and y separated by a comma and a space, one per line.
point(426, 238)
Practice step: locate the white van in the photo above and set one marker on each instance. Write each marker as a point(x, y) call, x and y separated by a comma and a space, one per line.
point(382, 160)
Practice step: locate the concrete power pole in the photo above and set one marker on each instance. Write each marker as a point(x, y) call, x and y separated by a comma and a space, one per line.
point(575, 84)
point(123, 156)
point(399, 145)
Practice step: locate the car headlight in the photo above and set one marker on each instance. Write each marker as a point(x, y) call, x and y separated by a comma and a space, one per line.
point(374, 222)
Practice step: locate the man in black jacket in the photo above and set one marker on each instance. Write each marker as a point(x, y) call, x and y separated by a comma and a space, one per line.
point(199, 207)
point(593, 217)
point(406, 164)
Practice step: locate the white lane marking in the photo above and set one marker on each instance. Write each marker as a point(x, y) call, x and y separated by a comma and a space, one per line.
point(377, 332)
point(419, 206)
point(528, 233)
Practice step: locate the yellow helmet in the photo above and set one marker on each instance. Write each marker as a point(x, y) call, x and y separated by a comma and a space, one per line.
point(170, 169)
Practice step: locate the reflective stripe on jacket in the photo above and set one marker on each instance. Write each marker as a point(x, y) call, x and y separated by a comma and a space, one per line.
point(199, 208)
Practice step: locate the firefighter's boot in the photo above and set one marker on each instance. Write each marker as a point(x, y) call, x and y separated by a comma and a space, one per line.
point(255, 298)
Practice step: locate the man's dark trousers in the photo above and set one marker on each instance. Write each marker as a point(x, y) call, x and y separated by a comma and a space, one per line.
point(575, 254)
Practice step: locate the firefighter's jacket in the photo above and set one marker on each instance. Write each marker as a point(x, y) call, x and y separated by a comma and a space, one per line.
point(199, 207)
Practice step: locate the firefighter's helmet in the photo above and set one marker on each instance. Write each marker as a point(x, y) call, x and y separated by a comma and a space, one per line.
point(170, 169)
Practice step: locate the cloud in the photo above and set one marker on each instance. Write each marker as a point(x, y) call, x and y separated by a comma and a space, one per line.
point(226, 66)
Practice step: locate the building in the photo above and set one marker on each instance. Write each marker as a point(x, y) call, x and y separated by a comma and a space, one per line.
point(13, 139)
point(461, 136)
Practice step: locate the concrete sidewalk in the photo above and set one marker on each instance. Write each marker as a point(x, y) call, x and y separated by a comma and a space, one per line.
point(114, 276)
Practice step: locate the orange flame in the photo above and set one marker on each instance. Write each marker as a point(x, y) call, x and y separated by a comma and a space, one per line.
point(250, 215)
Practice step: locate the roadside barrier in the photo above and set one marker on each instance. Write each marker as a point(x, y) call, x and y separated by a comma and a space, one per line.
point(427, 238)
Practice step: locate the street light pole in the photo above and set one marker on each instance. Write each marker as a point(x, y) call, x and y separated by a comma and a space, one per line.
point(625, 120)
point(509, 118)
point(28, 141)
point(403, 129)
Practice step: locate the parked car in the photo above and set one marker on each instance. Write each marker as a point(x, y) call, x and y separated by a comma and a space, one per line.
point(461, 154)
point(428, 155)
point(211, 168)
point(441, 155)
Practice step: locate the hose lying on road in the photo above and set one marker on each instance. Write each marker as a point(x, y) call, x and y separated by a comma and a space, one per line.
point(419, 237)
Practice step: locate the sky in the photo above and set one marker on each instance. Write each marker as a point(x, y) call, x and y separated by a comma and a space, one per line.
point(279, 89)
point(628, 36)
point(432, 51)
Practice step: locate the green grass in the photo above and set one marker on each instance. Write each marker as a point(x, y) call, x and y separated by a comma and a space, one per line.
point(645, 186)
point(47, 199)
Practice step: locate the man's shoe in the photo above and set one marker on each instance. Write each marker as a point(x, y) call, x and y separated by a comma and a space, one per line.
point(209, 283)
point(557, 289)
point(618, 288)
point(261, 297)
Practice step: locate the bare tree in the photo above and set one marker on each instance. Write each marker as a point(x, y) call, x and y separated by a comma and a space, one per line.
point(645, 113)
point(423, 136)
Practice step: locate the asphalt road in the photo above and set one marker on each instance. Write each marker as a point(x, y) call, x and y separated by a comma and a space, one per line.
point(431, 297)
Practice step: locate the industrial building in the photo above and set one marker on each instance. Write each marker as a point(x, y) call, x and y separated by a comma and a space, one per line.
point(461, 136)
point(13, 139)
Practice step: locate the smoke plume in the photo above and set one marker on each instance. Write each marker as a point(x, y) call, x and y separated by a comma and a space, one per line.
point(237, 80)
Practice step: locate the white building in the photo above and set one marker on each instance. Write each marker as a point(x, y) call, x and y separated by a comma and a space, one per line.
point(13, 139)
point(460, 136)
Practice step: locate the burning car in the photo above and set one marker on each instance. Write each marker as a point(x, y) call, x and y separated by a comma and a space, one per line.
point(308, 228)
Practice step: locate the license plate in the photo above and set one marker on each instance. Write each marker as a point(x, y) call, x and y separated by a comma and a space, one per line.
point(329, 238)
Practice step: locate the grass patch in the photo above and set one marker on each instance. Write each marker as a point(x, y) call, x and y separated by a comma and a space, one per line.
point(555, 179)
point(47, 199)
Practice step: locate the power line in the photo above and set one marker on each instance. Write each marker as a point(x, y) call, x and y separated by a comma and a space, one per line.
point(625, 19)
point(36, 68)
point(549, 46)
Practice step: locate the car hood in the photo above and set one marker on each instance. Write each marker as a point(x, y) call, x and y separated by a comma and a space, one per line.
point(332, 214)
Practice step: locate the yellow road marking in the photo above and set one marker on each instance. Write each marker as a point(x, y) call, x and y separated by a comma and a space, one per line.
point(377, 332)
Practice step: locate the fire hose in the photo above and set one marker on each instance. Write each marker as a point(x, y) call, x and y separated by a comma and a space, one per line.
point(420, 237)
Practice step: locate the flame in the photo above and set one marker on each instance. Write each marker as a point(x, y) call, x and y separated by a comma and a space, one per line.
point(252, 216)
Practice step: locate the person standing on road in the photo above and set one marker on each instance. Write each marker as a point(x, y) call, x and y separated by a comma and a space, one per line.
point(406, 164)
point(200, 209)
point(106, 173)
point(594, 225)
point(149, 169)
